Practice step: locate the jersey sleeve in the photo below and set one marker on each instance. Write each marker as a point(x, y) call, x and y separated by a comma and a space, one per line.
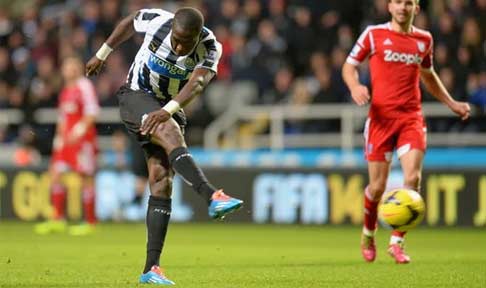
point(88, 99)
point(211, 52)
point(362, 48)
point(428, 61)
point(145, 16)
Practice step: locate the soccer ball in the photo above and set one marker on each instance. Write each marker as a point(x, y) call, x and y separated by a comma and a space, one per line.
point(401, 209)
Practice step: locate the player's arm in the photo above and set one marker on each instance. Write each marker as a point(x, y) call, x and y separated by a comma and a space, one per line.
point(58, 141)
point(361, 50)
point(359, 92)
point(198, 81)
point(80, 128)
point(434, 86)
point(122, 32)
point(91, 108)
point(194, 87)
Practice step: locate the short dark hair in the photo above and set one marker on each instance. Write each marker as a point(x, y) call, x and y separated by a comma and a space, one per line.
point(189, 18)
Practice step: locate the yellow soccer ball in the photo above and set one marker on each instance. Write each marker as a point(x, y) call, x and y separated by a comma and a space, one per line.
point(401, 209)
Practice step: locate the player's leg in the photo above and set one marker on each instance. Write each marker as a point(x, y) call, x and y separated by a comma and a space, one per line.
point(58, 193)
point(88, 198)
point(169, 136)
point(378, 174)
point(85, 166)
point(379, 142)
point(411, 163)
point(139, 169)
point(411, 145)
point(133, 105)
point(158, 213)
point(57, 222)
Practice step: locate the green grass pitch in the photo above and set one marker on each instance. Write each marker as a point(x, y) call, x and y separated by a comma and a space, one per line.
point(240, 255)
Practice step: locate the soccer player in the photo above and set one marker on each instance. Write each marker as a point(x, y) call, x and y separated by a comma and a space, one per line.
point(399, 55)
point(177, 59)
point(74, 147)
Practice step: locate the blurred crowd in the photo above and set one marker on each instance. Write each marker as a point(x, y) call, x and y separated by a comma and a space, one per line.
point(291, 51)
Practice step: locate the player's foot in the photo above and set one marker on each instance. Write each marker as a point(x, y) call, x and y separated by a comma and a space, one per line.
point(368, 248)
point(396, 251)
point(155, 276)
point(50, 226)
point(82, 229)
point(222, 204)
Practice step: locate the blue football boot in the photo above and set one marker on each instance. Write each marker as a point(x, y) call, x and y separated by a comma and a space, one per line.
point(222, 204)
point(155, 276)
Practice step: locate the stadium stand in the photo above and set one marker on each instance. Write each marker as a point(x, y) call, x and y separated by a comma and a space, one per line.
point(276, 52)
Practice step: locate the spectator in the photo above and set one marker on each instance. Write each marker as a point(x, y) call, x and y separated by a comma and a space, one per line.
point(446, 32)
point(301, 40)
point(26, 154)
point(478, 91)
point(267, 53)
point(471, 38)
point(118, 157)
point(281, 87)
point(268, 42)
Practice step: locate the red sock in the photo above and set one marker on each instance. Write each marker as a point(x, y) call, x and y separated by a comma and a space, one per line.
point(398, 233)
point(89, 204)
point(370, 212)
point(58, 200)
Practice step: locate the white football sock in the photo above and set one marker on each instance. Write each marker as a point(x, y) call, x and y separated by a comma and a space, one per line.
point(396, 240)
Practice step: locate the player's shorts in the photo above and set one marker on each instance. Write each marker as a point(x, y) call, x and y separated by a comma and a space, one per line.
point(80, 158)
point(383, 136)
point(133, 105)
point(139, 164)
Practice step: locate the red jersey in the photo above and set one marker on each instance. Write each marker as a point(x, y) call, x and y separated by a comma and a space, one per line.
point(75, 102)
point(395, 60)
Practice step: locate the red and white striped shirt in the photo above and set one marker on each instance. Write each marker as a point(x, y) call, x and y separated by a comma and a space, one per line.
point(395, 60)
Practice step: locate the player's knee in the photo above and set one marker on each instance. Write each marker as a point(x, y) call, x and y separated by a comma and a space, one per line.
point(161, 188)
point(170, 135)
point(167, 130)
point(375, 190)
point(412, 180)
point(160, 183)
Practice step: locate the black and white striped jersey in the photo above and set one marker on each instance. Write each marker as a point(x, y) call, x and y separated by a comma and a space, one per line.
point(156, 69)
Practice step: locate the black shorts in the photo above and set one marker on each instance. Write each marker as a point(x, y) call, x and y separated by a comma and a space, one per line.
point(139, 164)
point(135, 104)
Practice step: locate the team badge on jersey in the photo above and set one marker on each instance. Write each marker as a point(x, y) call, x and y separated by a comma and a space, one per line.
point(189, 63)
point(421, 46)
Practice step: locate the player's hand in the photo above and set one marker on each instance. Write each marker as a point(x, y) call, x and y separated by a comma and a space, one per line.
point(153, 120)
point(94, 66)
point(461, 108)
point(360, 95)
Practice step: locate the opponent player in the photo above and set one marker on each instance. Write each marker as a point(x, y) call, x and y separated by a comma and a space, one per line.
point(74, 147)
point(399, 55)
point(177, 59)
